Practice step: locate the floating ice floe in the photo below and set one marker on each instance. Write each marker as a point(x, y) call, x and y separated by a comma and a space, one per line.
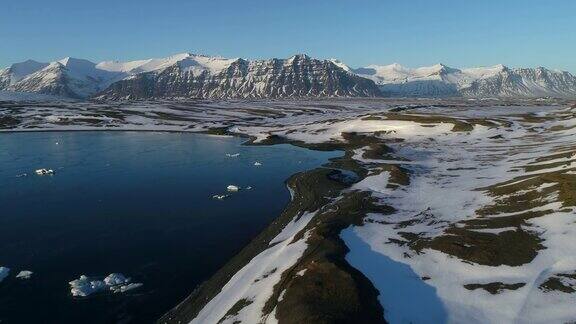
point(232, 188)
point(248, 188)
point(220, 197)
point(257, 163)
point(125, 288)
point(84, 287)
point(233, 155)
point(21, 175)
point(114, 279)
point(44, 171)
point(4, 272)
point(24, 274)
point(115, 282)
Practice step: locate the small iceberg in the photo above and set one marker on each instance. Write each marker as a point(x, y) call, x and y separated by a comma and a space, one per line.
point(248, 188)
point(114, 279)
point(220, 197)
point(24, 274)
point(257, 163)
point(233, 155)
point(232, 188)
point(21, 175)
point(125, 288)
point(4, 272)
point(115, 282)
point(44, 172)
point(83, 286)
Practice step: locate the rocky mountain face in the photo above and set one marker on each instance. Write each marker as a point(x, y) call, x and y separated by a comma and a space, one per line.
point(198, 76)
point(298, 76)
point(539, 82)
point(496, 81)
point(191, 76)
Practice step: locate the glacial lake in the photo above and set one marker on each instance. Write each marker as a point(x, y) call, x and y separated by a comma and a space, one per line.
point(137, 203)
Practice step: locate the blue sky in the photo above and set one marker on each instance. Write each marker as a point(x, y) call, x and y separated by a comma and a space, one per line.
point(411, 32)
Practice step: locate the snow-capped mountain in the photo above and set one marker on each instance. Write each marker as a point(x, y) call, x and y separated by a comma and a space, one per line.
point(188, 75)
point(69, 77)
point(18, 71)
point(149, 65)
point(495, 81)
point(208, 77)
point(198, 76)
point(538, 82)
point(75, 78)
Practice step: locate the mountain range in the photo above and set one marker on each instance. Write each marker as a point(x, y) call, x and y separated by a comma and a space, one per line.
point(199, 76)
point(495, 81)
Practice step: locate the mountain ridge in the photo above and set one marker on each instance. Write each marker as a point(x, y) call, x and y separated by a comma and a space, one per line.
point(492, 81)
point(297, 76)
point(202, 76)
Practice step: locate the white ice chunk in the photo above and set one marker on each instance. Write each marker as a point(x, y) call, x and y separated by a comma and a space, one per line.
point(125, 288)
point(24, 274)
point(83, 286)
point(114, 279)
point(44, 171)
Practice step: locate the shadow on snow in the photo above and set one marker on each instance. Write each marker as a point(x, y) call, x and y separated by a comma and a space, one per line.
point(406, 298)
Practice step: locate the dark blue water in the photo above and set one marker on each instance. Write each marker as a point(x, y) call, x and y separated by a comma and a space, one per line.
point(131, 202)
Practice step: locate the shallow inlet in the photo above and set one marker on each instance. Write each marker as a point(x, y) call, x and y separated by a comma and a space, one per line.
point(138, 203)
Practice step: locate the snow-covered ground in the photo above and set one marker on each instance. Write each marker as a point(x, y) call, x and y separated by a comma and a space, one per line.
point(455, 176)
point(483, 231)
point(254, 283)
point(448, 189)
point(24, 96)
point(451, 173)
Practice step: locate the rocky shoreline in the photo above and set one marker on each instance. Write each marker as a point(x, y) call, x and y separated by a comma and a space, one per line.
point(329, 290)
